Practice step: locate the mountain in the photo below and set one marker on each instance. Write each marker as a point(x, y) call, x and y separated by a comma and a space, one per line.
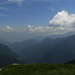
point(18, 47)
point(24, 48)
point(48, 50)
point(6, 50)
point(4, 41)
point(7, 56)
point(63, 52)
point(43, 47)
point(32, 50)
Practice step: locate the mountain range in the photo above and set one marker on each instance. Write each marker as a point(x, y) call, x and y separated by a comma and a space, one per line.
point(48, 50)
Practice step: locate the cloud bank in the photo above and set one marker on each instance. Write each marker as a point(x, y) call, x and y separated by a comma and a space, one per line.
point(61, 23)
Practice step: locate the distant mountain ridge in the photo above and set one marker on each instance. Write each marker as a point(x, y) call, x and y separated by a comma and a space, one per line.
point(4, 41)
point(48, 50)
point(18, 47)
point(63, 52)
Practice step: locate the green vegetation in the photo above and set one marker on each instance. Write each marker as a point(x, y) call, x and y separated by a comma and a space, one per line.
point(8, 57)
point(38, 69)
point(6, 60)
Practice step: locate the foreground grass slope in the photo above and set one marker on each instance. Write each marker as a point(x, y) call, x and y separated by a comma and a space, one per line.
point(39, 69)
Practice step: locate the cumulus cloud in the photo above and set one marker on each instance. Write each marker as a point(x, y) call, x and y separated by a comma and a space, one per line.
point(63, 19)
point(44, 30)
point(30, 32)
point(12, 29)
point(62, 23)
point(39, 29)
point(9, 28)
point(29, 29)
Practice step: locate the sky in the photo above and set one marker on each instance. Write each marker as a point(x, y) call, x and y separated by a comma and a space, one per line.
point(24, 19)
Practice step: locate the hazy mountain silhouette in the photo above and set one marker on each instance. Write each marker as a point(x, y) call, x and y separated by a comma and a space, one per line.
point(7, 56)
point(4, 41)
point(48, 50)
point(32, 49)
point(24, 49)
point(63, 52)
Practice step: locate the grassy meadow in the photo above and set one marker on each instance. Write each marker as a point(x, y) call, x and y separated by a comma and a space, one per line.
point(38, 69)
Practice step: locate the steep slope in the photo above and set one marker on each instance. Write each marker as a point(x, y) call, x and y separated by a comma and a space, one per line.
point(24, 49)
point(63, 52)
point(7, 56)
point(6, 50)
point(41, 49)
point(33, 49)
point(48, 50)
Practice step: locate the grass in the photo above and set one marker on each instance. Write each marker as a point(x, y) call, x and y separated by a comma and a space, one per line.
point(39, 69)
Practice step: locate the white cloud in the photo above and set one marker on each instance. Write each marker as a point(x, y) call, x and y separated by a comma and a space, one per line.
point(42, 29)
point(63, 19)
point(9, 28)
point(62, 23)
point(12, 29)
point(37, 30)
point(29, 29)
point(30, 32)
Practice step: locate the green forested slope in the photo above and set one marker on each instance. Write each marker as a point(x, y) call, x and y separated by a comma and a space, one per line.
point(7, 56)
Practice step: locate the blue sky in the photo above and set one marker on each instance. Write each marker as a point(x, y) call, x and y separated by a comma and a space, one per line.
point(32, 12)
point(17, 15)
